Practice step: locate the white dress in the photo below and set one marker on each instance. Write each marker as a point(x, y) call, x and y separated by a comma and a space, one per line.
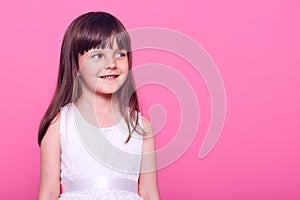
point(88, 176)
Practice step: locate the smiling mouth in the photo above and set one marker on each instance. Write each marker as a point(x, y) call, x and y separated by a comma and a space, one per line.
point(109, 76)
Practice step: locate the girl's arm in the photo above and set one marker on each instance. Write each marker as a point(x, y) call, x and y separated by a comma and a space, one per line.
point(148, 188)
point(50, 163)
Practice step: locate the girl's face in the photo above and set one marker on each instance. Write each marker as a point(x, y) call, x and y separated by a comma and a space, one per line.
point(103, 71)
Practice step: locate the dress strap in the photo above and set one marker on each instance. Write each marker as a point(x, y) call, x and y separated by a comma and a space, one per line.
point(100, 183)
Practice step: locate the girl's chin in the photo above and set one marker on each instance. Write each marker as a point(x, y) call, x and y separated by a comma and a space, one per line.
point(108, 88)
point(106, 91)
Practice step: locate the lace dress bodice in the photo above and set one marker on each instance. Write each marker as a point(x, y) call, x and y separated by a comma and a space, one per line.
point(80, 163)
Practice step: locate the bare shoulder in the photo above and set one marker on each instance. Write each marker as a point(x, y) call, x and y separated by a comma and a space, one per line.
point(148, 135)
point(147, 126)
point(55, 121)
point(146, 122)
point(52, 133)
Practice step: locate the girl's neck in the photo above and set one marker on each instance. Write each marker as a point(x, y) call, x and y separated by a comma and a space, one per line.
point(99, 103)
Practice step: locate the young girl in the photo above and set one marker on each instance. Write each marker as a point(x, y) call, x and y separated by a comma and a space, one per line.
point(83, 158)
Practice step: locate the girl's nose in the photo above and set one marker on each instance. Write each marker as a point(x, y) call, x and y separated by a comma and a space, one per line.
point(111, 64)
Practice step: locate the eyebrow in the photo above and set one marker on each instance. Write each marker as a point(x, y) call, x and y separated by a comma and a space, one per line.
point(103, 50)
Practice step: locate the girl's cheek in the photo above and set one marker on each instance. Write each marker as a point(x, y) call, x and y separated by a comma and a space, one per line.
point(124, 66)
point(81, 59)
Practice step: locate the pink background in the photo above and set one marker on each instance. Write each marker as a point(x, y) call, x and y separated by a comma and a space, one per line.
point(255, 45)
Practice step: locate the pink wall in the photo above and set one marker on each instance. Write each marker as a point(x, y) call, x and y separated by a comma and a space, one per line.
point(255, 45)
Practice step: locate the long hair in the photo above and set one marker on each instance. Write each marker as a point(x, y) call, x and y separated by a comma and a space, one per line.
point(91, 30)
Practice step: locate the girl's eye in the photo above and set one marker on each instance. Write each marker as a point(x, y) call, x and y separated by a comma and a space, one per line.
point(121, 54)
point(97, 56)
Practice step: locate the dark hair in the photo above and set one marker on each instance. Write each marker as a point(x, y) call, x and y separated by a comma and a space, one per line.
point(91, 30)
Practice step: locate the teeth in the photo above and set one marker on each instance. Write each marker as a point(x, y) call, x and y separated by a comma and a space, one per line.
point(109, 76)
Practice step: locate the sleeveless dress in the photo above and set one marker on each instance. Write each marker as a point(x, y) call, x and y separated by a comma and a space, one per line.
point(87, 176)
